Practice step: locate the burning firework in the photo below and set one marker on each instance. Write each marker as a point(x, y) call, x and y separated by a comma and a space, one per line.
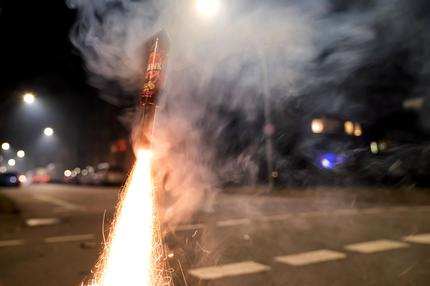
point(134, 254)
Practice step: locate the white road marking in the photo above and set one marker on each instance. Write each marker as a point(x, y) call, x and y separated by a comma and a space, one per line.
point(185, 227)
point(69, 238)
point(233, 222)
point(41, 221)
point(59, 202)
point(313, 214)
point(6, 243)
point(372, 210)
point(227, 270)
point(376, 246)
point(418, 238)
point(310, 257)
point(346, 212)
point(275, 217)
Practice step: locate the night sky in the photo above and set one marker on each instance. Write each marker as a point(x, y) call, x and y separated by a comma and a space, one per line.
point(37, 56)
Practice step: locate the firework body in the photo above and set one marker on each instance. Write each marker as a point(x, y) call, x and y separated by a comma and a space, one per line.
point(157, 48)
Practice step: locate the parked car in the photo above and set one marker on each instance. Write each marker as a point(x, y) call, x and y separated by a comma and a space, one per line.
point(108, 175)
point(9, 179)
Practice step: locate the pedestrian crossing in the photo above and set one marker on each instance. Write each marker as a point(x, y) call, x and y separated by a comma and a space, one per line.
point(303, 259)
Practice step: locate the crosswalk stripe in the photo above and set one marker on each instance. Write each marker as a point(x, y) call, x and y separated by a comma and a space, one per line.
point(418, 238)
point(233, 222)
point(69, 238)
point(376, 246)
point(310, 257)
point(227, 270)
point(6, 243)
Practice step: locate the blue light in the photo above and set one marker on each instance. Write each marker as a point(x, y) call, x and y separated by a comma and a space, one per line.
point(329, 161)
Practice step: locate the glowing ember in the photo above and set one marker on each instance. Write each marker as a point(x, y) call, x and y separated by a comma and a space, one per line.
point(134, 254)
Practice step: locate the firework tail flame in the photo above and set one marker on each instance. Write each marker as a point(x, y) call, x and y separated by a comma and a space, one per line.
point(135, 254)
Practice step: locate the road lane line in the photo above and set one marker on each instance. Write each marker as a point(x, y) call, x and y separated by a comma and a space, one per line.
point(310, 257)
point(372, 210)
point(69, 238)
point(42, 221)
point(312, 214)
point(233, 222)
point(228, 270)
point(376, 246)
point(58, 202)
point(347, 212)
point(418, 238)
point(7, 243)
point(275, 217)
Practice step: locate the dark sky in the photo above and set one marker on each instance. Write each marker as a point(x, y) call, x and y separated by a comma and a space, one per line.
point(37, 56)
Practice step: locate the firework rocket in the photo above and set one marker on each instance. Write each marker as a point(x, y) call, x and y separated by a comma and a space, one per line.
point(157, 48)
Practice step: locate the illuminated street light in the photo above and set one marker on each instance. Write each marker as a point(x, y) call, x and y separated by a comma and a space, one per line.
point(20, 154)
point(11, 162)
point(5, 146)
point(207, 8)
point(28, 98)
point(48, 131)
point(67, 173)
point(317, 126)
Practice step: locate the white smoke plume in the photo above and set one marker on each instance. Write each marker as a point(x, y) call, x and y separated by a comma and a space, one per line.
point(227, 62)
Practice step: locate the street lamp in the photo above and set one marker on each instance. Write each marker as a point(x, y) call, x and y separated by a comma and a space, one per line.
point(5, 146)
point(207, 8)
point(20, 154)
point(28, 98)
point(48, 131)
point(11, 162)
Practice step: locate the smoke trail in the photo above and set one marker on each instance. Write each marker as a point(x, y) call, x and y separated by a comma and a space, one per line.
point(219, 69)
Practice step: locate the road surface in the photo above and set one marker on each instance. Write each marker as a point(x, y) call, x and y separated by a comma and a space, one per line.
point(319, 236)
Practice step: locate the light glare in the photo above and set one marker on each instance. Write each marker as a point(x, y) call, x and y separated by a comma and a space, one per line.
point(67, 173)
point(317, 126)
point(11, 162)
point(48, 131)
point(5, 146)
point(28, 98)
point(207, 8)
point(20, 154)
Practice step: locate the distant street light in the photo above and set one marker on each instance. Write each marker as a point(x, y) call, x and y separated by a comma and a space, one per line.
point(28, 98)
point(207, 8)
point(20, 154)
point(11, 162)
point(67, 173)
point(48, 131)
point(5, 146)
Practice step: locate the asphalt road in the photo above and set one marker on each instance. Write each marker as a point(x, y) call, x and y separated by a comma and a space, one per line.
point(320, 236)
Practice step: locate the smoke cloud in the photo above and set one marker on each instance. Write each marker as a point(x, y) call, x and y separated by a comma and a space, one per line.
point(221, 69)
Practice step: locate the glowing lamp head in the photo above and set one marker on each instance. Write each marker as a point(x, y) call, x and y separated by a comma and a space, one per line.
point(28, 98)
point(11, 162)
point(67, 173)
point(317, 126)
point(5, 146)
point(207, 8)
point(48, 131)
point(20, 154)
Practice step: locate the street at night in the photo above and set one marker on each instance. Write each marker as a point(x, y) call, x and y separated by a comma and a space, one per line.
point(318, 236)
point(214, 143)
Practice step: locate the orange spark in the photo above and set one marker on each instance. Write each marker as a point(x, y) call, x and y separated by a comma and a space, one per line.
point(134, 254)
